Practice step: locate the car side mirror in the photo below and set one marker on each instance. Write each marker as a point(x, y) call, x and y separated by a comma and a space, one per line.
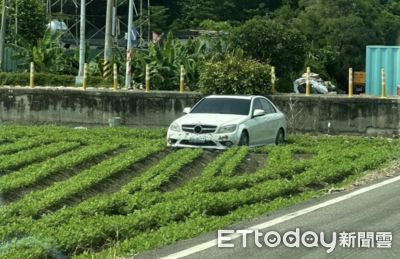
point(258, 113)
point(187, 110)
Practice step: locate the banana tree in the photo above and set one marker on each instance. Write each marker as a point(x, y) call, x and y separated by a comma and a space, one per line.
point(47, 55)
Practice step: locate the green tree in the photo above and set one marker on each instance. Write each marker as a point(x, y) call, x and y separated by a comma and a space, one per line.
point(46, 54)
point(338, 32)
point(271, 42)
point(27, 20)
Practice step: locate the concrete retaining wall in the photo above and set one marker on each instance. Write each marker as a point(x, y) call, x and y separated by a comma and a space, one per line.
point(75, 107)
point(319, 114)
point(341, 115)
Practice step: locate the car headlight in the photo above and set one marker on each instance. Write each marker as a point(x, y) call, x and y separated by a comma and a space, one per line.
point(227, 128)
point(175, 127)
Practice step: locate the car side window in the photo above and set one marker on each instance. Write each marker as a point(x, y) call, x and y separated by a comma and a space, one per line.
point(267, 107)
point(257, 105)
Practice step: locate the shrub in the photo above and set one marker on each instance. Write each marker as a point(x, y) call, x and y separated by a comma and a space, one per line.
point(235, 75)
point(44, 79)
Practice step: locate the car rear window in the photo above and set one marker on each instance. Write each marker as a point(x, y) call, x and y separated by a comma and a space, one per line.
point(223, 106)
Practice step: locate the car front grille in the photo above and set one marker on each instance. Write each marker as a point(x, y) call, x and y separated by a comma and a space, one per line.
point(204, 144)
point(199, 129)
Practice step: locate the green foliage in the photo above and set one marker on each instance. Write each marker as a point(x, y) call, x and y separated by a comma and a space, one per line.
point(165, 61)
point(26, 157)
point(47, 55)
point(41, 79)
point(159, 16)
point(338, 32)
point(119, 223)
point(235, 75)
point(271, 42)
point(31, 21)
point(35, 172)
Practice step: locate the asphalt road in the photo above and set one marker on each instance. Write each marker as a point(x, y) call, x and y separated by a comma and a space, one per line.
point(377, 210)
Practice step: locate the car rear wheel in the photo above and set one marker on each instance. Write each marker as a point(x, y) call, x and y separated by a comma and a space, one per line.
point(280, 137)
point(244, 139)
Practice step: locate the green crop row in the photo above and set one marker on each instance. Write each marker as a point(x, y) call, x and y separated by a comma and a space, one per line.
point(219, 203)
point(37, 202)
point(85, 136)
point(35, 247)
point(150, 180)
point(22, 144)
point(207, 202)
point(86, 233)
point(189, 228)
point(230, 166)
point(33, 173)
point(22, 158)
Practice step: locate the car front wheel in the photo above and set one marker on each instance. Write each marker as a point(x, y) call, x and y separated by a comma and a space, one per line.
point(280, 137)
point(244, 139)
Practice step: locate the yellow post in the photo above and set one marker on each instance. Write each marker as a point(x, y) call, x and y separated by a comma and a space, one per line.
point(350, 82)
point(85, 76)
point(273, 79)
point(147, 78)
point(308, 90)
point(383, 95)
point(115, 85)
point(32, 75)
point(182, 81)
point(106, 69)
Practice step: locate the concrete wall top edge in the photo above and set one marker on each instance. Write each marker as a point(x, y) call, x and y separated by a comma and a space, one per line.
point(97, 92)
point(176, 94)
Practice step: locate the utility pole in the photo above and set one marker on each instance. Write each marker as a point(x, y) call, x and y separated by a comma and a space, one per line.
point(148, 22)
point(129, 49)
point(108, 40)
point(16, 19)
point(141, 22)
point(82, 45)
point(3, 31)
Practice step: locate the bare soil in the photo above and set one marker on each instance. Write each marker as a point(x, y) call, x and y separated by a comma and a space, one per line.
point(252, 163)
point(189, 171)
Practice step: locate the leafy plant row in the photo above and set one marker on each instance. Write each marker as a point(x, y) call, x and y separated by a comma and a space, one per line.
point(22, 158)
point(230, 166)
point(33, 173)
point(122, 200)
point(37, 202)
point(22, 144)
point(175, 210)
point(85, 136)
point(150, 180)
point(148, 211)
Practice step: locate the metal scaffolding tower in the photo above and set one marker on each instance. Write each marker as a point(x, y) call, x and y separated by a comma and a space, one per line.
point(68, 12)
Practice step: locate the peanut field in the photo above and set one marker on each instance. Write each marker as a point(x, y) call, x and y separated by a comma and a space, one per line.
point(108, 192)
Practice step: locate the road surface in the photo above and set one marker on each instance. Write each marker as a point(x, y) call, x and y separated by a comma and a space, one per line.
point(375, 208)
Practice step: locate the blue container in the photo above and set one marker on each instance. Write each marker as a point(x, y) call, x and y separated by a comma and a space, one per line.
point(388, 58)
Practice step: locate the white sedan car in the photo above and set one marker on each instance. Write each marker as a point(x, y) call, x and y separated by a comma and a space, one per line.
point(220, 122)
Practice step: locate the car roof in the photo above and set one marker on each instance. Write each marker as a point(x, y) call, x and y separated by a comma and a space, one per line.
point(245, 97)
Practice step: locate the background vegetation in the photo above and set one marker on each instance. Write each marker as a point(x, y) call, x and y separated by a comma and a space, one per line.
point(329, 36)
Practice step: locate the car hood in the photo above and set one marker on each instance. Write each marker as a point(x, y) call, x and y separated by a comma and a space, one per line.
point(211, 119)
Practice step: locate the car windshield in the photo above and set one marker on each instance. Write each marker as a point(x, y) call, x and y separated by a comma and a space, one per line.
point(223, 106)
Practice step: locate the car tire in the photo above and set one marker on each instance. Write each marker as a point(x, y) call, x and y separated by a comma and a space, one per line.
point(280, 137)
point(244, 139)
